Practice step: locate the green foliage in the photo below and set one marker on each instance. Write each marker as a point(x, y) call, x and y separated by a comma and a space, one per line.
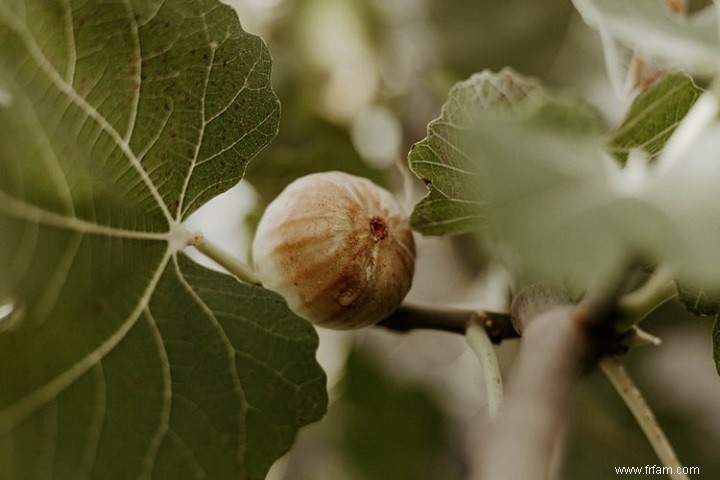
point(122, 358)
point(556, 199)
point(654, 115)
point(390, 432)
point(651, 120)
point(698, 300)
point(454, 203)
point(648, 27)
point(504, 174)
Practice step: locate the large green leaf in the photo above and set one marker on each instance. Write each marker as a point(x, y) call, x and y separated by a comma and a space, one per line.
point(654, 115)
point(123, 359)
point(648, 27)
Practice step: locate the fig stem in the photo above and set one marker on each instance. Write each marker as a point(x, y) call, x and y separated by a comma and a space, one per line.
point(638, 304)
point(635, 401)
point(479, 340)
point(211, 250)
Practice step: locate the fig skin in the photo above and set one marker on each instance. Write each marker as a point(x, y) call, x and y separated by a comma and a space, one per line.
point(338, 248)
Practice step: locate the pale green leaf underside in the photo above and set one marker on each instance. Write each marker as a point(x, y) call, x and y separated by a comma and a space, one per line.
point(648, 27)
point(654, 116)
point(124, 359)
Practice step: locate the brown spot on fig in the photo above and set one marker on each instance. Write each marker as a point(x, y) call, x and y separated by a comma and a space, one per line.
point(378, 228)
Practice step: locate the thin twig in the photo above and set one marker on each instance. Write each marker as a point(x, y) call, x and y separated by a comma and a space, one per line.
point(622, 382)
point(224, 259)
point(483, 347)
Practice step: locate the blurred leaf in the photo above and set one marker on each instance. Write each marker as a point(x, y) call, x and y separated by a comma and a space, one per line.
point(554, 197)
point(391, 431)
point(697, 300)
point(123, 359)
point(568, 210)
point(523, 34)
point(537, 175)
point(686, 194)
point(648, 27)
point(654, 115)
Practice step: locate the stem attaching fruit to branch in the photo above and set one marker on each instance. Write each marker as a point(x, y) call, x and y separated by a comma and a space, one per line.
point(230, 263)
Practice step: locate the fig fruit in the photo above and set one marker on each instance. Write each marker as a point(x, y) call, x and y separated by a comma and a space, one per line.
point(338, 248)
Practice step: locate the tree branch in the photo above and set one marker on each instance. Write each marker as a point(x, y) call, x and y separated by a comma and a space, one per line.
point(412, 317)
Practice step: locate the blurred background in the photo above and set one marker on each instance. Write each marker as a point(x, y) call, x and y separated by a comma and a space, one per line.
point(359, 80)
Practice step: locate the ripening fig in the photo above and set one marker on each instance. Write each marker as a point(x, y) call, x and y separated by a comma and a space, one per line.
point(338, 248)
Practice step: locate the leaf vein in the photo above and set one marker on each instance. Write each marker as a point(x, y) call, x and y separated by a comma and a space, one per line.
point(17, 412)
point(44, 65)
point(164, 423)
point(232, 362)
